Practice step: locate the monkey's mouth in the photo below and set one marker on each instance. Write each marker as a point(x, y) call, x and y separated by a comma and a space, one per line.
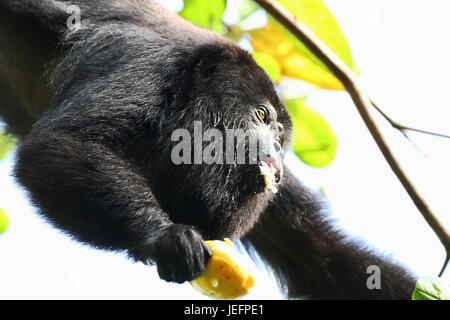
point(271, 174)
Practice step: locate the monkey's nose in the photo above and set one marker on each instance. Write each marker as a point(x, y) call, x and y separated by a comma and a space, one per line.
point(277, 146)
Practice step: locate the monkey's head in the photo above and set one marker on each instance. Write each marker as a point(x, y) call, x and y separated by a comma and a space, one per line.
point(227, 150)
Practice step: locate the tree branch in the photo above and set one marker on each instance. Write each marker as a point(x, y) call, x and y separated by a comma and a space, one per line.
point(445, 265)
point(362, 102)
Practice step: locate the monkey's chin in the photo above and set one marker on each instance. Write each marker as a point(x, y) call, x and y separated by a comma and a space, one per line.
point(269, 176)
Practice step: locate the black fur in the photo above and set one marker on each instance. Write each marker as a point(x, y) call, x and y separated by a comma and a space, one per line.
point(97, 162)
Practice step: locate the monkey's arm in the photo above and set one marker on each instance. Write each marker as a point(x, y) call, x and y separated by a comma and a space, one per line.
point(313, 259)
point(100, 198)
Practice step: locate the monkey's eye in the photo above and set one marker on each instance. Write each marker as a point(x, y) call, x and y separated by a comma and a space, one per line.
point(262, 114)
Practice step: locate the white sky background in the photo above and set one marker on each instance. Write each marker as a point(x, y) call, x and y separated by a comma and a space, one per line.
point(402, 49)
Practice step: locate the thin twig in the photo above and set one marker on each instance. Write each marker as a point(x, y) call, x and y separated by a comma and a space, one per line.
point(398, 127)
point(362, 102)
point(403, 128)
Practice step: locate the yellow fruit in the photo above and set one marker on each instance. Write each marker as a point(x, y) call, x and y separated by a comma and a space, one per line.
point(223, 277)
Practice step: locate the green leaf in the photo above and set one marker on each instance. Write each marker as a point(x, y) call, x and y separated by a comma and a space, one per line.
point(205, 13)
point(317, 17)
point(323, 191)
point(7, 143)
point(295, 60)
point(3, 221)
point(431, 288)
point(274, 40)
point(269, 64)
point(314, 141)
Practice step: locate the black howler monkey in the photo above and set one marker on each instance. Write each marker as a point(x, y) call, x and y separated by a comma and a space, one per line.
point(96, 105)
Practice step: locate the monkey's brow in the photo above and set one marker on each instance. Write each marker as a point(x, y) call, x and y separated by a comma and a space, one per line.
point(271, 109)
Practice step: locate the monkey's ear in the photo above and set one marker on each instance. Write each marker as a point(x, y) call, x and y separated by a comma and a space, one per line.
point(208, 57)
point(200, 67)
point(206, 68)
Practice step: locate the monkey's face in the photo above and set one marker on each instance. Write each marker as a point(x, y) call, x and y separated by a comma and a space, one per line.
point(233, 96)
point(268, 151)
point(254, 143)
point(228, 155)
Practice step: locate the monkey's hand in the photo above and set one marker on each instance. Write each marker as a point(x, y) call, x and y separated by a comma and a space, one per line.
point(180, 254)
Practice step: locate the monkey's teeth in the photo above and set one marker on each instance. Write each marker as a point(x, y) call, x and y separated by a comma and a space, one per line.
point(268, 172)
point(272, 168)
